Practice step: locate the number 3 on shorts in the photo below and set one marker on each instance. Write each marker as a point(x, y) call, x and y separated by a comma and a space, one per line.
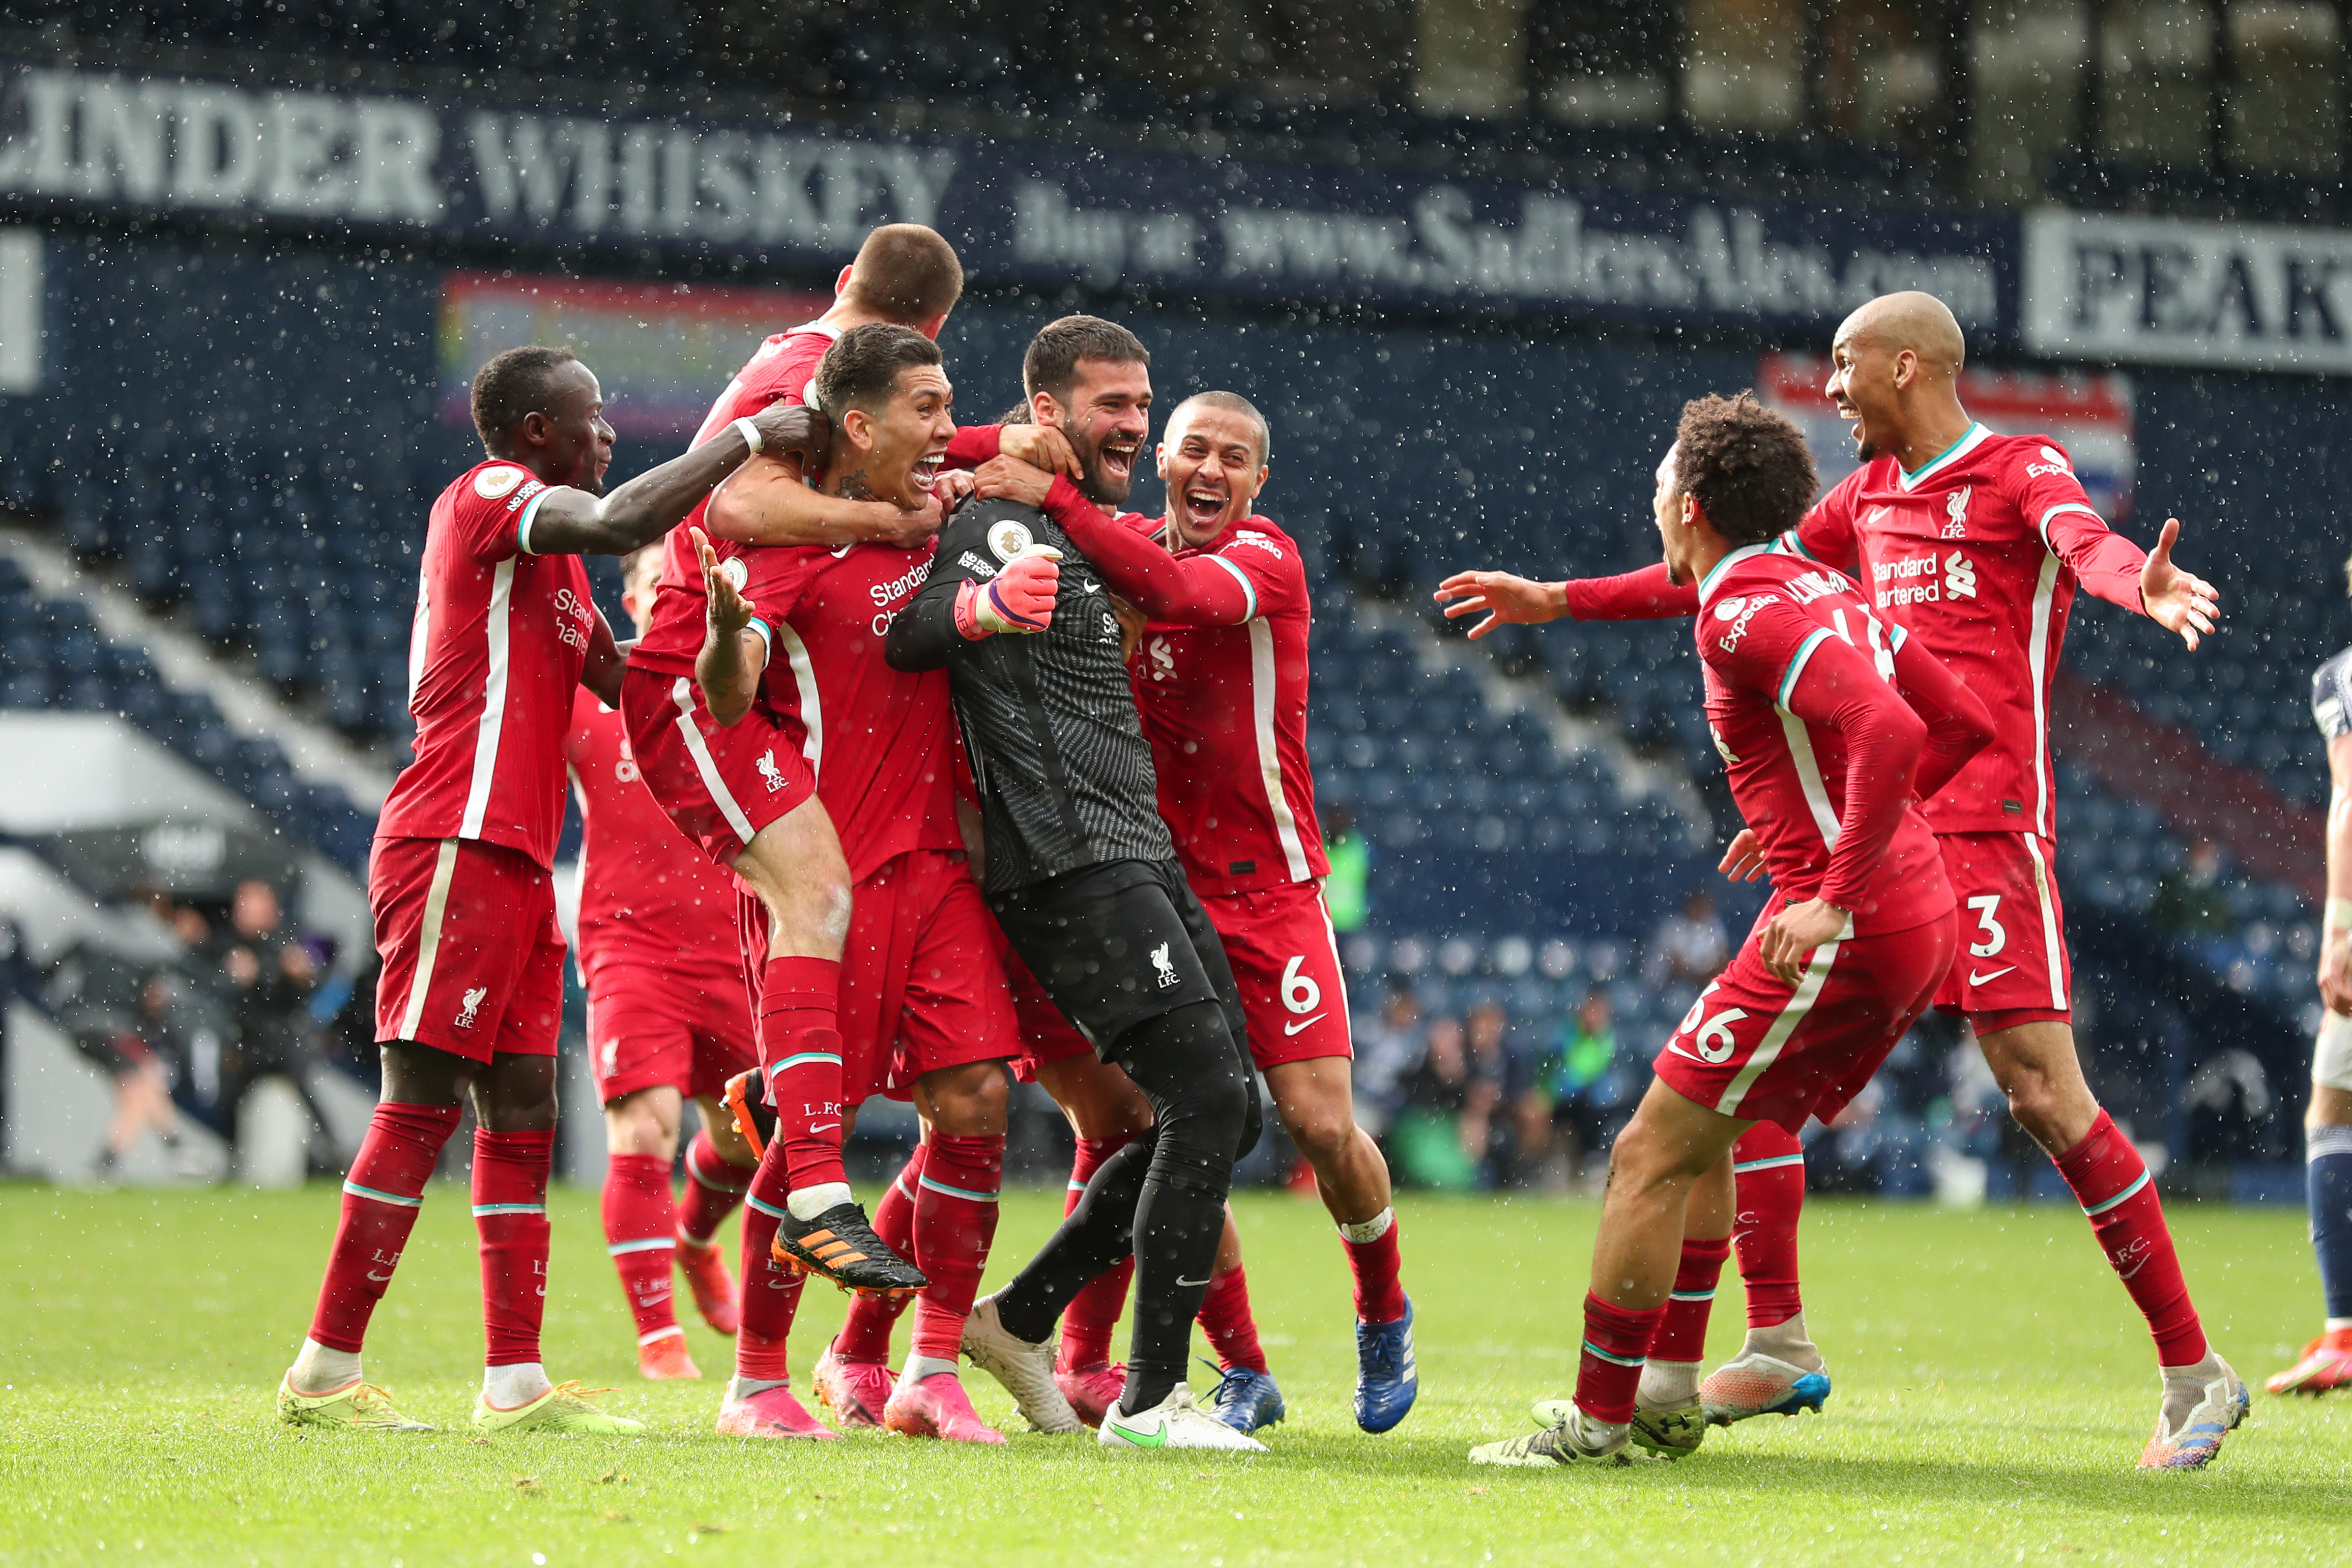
point(1299, 992)
point(1995, 938)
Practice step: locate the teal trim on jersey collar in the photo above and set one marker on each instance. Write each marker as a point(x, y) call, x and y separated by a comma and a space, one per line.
point(1932, 463)
point(1706, 584)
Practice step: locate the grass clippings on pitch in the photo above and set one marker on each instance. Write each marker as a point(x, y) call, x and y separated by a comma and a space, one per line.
point(1993, 1388)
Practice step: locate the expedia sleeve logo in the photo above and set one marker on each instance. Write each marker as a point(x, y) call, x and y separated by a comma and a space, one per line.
point(1008, 539)
point(492, 483)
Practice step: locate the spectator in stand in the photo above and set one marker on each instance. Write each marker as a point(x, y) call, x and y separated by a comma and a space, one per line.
point(1689, 949)
point(1501, 1074)
point(1578, 1097)
point(1390, 1048)
point(138, 1058)
point(270, 978)
point(2193, 898)
point(1347, 896)
point(1433, 1142)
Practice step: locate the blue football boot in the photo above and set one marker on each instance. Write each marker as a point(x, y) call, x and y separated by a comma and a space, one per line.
point(1386, 1381)
point(1246, 1401)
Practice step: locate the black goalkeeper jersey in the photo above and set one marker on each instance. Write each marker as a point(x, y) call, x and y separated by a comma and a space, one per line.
point(1048, 719)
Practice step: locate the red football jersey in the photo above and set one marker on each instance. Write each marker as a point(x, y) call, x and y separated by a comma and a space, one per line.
point(778, 371)
point(496, 652)
point(1978, 555)
point(1226, 711)
point(1766, 621)
point(883, 741)
point(648, 894)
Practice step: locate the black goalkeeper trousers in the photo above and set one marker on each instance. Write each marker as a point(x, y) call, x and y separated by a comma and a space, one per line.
point(1162, 1197)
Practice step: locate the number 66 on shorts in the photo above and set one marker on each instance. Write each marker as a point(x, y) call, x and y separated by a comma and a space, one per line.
point(1754, 1048)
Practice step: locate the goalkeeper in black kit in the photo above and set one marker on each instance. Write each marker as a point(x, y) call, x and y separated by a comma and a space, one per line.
point(1084, 879)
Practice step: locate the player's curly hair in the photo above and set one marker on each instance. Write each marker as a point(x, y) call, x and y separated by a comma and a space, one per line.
point(862, 367)
point(1052, 363)
point(514, 385)
point(1747, 465)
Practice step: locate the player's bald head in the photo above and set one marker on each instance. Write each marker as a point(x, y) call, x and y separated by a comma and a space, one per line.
point(1232, 403)
point(1912, 320)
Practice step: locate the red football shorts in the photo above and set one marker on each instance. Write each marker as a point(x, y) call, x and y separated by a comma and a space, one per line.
point(1047, 1036)
point(922, 975)
point(2012, 966)
point(1286, 964)
point(473, 961)
point(719, 784)
point(1754, 1048)
point(651, 1024)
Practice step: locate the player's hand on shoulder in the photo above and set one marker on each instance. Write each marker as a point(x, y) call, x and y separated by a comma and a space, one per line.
point(1005, 477)
point(793, 427)
point(953, 488)
point(2177, 601)
point(904, 529)
point(1505, 599)
point(722, 582)
point(1039, 447)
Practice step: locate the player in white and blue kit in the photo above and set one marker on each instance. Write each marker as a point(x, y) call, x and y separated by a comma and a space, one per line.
point(2327, 1362)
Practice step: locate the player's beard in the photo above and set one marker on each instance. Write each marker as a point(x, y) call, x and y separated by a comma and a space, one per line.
point(1098, 483)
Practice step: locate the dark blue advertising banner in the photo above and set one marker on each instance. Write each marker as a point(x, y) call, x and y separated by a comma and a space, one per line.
point(782, 194)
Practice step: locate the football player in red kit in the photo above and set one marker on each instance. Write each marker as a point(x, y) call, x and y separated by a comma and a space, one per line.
point(668, 1021)
point(746, 792)
point(1827, 720)
point(1976, 544)
point(1219, 675)
point(471, 992)
point(924, 1013)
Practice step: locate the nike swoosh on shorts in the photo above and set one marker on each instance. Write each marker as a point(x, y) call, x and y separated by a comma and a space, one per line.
point(1976, 979)
point(1293, 1028)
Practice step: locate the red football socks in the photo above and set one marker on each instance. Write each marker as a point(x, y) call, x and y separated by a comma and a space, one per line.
point(510, 1213)
point(866, 1329)
point(381, 1197)
point(1226, 1322)
point(1769, 1169)
point(2111, 1182)
point(641, 1233)
point(713, 1189)
point(799, 1045)
point(1379, 1294)
point(772, 1292)
point(1682, 1334)
point(955, 1220)
point(1608, 1372)
point(1092, 1317)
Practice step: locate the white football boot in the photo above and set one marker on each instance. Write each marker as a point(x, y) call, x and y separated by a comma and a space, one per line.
point(1174, 1423)
point(1025, 1370)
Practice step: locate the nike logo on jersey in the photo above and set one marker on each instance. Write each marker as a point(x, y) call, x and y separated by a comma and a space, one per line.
point(1293, 1028)
point(378, 1278)
point(1976, 979)
point(823, 1126)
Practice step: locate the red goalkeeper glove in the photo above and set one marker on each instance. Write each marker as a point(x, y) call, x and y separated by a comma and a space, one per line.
point(1019, 599)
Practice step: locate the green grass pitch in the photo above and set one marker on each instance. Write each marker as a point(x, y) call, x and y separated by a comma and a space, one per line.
point(1993, 1389)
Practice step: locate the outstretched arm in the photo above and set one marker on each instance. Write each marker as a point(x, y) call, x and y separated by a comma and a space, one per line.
point(566, 522)
point(1648, 594)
